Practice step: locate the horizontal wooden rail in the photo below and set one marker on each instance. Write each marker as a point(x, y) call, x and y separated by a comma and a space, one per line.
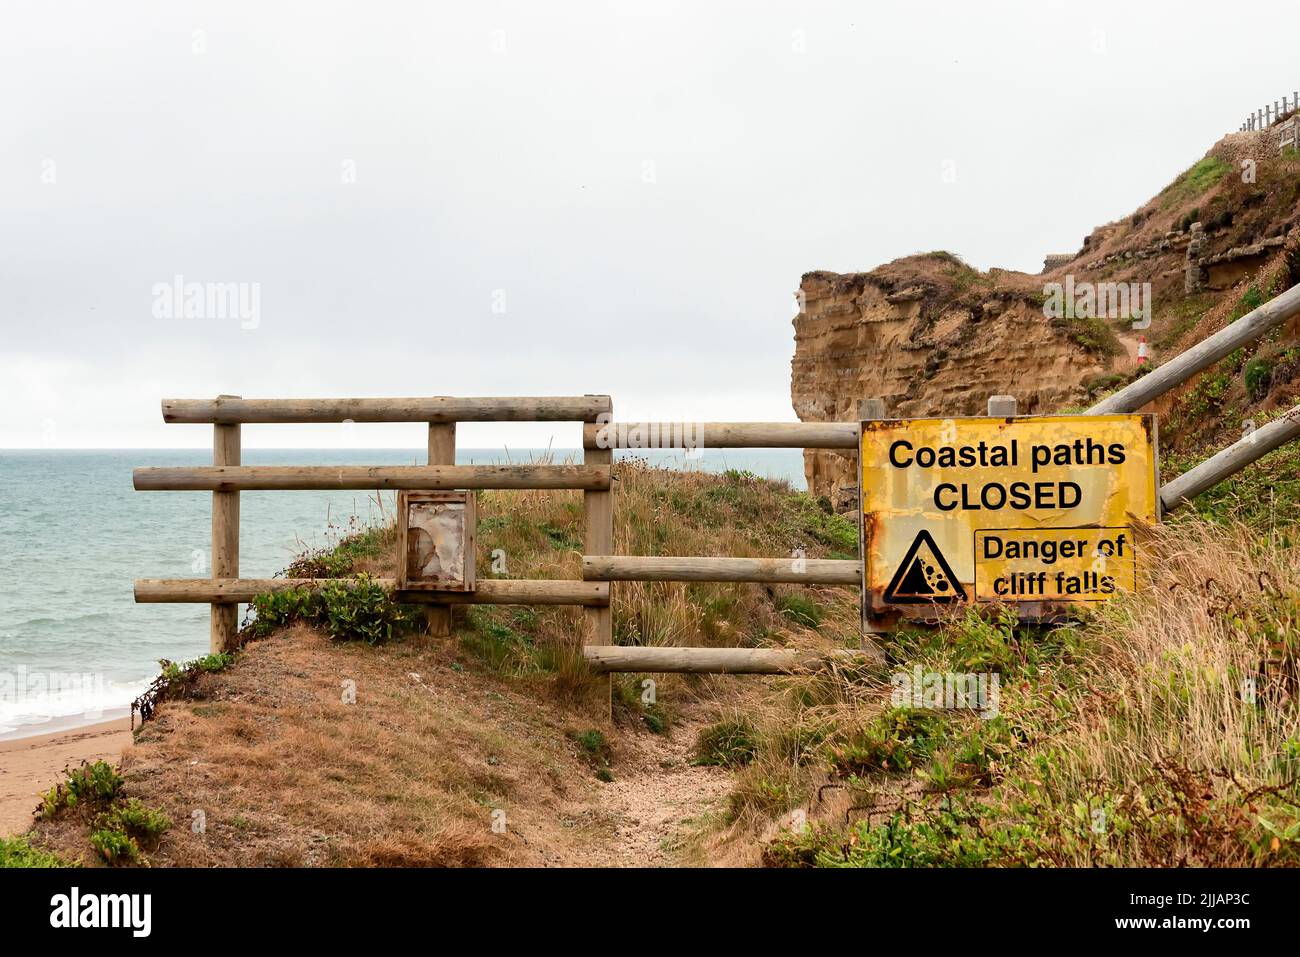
point(489, 591)
point(212, 478)
point(1202, 355)
point(803, 571)
point(720, 435)
point(579, 408)
point(735, 661)
point(1230, 460)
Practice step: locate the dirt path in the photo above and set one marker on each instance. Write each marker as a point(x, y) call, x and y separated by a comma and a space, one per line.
point(657, 804)
point(1130, 340)
point(662, 801)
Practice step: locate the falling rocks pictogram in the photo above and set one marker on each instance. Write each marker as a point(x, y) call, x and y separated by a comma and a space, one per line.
point(924, 576)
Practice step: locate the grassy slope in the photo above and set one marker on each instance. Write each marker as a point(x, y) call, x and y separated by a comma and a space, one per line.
point(1128, 739)
point(1125, 739)
point(505, 717)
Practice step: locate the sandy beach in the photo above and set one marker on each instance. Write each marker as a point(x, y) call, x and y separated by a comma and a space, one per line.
point(30, 766)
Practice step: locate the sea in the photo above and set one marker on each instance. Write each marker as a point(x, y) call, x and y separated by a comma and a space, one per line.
point(76, 649)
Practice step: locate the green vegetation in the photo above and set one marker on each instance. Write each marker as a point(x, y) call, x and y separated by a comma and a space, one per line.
point(179, 680)
point(1127, 739)
point(143, 823)
point(119, 829)
point(359, 609)
point(1258, 376)
point(592, 742)
point(728, 743)
point(1104, 385)
point(816, 519)
point(1090, 334)
point(1183, 314)
point(120, 833)
point(595, 749)
point(342, 559)
point(1194, 181)
point(1206, 403)
point(18, 852)
point(208, 664)
point(116, 847)
point(802, 611)
point(279, 609)
point(1250, 300)
point(897, 740)
point(631, 693)
point(91, 784)
point(1216, 404)
point(567, 538)
point(502, 638)
point(1264, 495)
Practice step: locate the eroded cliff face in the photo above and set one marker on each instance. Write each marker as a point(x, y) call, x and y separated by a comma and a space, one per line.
point(932, 337)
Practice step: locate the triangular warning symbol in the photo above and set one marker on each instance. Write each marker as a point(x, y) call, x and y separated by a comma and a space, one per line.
point(923, 576)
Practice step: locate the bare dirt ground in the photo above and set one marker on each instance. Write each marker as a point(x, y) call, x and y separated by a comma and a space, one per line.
point(438, 762)
point(658, 805)
point(1130, 341)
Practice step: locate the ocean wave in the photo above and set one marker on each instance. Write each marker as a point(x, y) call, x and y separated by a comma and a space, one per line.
point(30, 698)
point(81, 619)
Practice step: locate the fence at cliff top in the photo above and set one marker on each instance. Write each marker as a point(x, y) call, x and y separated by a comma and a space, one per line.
point(226, 478)
point(433, 485)
point(1270, 113)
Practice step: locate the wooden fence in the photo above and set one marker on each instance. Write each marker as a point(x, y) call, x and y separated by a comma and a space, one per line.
point(1270, 113)
point(226, 478)
point(607, 567)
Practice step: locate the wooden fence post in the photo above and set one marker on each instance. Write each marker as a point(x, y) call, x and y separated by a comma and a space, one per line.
point(1231, 460)
point(224, 629)
point(598, 537)
point(872, 408)
point(442, 451)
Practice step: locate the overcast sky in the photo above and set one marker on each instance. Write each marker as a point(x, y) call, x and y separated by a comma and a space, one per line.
point(558, 198)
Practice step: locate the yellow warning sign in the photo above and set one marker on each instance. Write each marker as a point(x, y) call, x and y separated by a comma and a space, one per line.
point(1039, 511)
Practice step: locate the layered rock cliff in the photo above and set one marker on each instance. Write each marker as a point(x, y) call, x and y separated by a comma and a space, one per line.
point(932, 336)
